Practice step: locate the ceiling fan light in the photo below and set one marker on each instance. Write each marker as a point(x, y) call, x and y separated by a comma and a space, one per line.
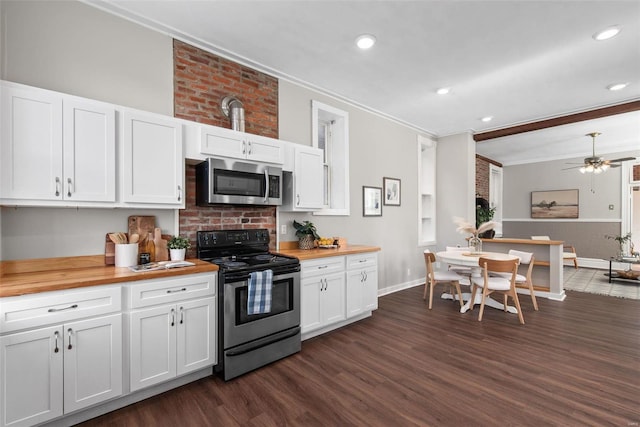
point(582, 169)
point(607, 33)
point(604, 167)
point(597, 170)
point(589, 168)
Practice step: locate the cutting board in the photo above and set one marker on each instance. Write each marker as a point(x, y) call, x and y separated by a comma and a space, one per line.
point(142, 225)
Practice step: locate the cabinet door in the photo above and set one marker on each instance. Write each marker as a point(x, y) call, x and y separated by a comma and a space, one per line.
point(311, 303)
point(196, 335)
point(262, 149)
point(153, 160)
point(362, 291)
point(370, 295)
point(92, 361)
point(31, 376)
point(89, 151)
point(355, 292)
point(30, 144)
point(333, 299)
point(308, 181)
point(216, 141)
point(153, 346)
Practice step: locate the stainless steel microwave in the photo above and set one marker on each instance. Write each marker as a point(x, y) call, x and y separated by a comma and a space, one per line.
point(229, 181)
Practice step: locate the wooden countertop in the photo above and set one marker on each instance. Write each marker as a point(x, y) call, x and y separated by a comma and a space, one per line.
point(307, 254)
point(54, 274)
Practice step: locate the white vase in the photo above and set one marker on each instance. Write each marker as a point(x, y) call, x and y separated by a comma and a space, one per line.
point(177, 254)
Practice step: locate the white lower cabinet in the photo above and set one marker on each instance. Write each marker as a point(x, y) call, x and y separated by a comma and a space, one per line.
point(362, 283)
point(175, 337)
point(55, 370)
point(322, 293)
point(336, 291)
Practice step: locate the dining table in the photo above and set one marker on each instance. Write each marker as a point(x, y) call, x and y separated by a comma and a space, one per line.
point(471, 260)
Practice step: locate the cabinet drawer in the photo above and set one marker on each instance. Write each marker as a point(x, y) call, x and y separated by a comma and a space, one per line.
point(29, 311)
point(362, 260)
point(322, 266)
point(162, 291)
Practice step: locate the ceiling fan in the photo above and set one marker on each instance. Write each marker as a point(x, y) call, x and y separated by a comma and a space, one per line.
point(596, 164)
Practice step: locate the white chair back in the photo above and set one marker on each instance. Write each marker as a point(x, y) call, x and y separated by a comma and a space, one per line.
point(525, 257)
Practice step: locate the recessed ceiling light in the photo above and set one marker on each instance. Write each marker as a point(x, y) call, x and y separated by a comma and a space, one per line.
point(607, 33)
point(443, 91)
point(365, 41)
point(487, 119)
point(617, 86)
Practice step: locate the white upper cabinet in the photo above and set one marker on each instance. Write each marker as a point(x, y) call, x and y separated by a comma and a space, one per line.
point(221, 142)
point(89, 159)
point(152, 158)
point(56, 147)
point(303, 190)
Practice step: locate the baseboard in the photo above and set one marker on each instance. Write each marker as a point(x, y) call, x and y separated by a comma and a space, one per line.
point(400, 287)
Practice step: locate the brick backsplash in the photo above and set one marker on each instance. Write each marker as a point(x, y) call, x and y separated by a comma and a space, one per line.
point(201, 81)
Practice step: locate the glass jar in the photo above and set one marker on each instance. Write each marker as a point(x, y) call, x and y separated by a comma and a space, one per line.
point(475, 244)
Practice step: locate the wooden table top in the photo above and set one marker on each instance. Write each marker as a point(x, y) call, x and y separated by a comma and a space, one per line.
point(54, 274)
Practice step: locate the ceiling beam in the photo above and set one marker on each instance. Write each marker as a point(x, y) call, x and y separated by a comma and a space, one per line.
point(558, 121)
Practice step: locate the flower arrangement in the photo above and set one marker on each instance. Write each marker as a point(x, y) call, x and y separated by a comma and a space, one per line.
point(467, 227)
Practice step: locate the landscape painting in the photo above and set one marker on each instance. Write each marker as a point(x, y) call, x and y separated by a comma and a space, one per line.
point(554, 204)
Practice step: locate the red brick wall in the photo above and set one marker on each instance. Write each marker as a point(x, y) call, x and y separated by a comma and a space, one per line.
point(201, 81)
point(482, 178)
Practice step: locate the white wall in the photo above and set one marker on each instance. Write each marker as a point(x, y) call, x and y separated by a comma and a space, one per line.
point(455, 187)
point(378, 148)
point(73, 48)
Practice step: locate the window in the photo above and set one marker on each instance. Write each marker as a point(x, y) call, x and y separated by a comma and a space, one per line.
point(330, 133)
point(495, 195)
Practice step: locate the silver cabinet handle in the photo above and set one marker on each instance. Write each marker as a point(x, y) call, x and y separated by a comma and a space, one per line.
point(244, 147)
point(266, 185)
point(179, 193)
point(69, 187)
point(249, 151)
point(181, 315)
point(53, 310)
point(69, 335)
point(366, 276)
point(56, 336)
point(173, 317)
point(321, 267)
point(297, 200)
point(57, 186)
point(171, 291)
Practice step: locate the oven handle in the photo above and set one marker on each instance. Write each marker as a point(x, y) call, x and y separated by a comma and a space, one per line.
point(263, 342)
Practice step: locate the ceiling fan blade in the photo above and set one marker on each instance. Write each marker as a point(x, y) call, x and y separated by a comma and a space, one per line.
point(623, 159)
point(615, 165)
point(574, 167)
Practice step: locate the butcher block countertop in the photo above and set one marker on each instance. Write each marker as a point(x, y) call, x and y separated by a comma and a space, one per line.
point(54, 274)
point(307, 254)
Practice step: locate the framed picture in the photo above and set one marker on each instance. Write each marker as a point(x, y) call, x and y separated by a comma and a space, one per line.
point(371, 201)
point(391, 188)
point(554, 204)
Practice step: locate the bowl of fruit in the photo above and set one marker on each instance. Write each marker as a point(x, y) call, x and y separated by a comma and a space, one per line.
point(327, 243)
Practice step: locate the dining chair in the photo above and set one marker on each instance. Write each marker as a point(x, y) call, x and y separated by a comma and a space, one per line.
point(491, 284)
point(465, 271)
point(526, 258)
point(568, 251)
point(436, 277)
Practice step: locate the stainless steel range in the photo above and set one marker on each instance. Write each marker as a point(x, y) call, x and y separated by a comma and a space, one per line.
point(249, 341)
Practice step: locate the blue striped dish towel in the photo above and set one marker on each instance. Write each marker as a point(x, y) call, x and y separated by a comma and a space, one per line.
point(259, 298)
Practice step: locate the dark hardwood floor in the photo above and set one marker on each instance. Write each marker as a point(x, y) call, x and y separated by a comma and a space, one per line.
point(574, 363)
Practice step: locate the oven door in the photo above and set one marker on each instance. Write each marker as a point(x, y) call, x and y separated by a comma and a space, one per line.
point(240, 327)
